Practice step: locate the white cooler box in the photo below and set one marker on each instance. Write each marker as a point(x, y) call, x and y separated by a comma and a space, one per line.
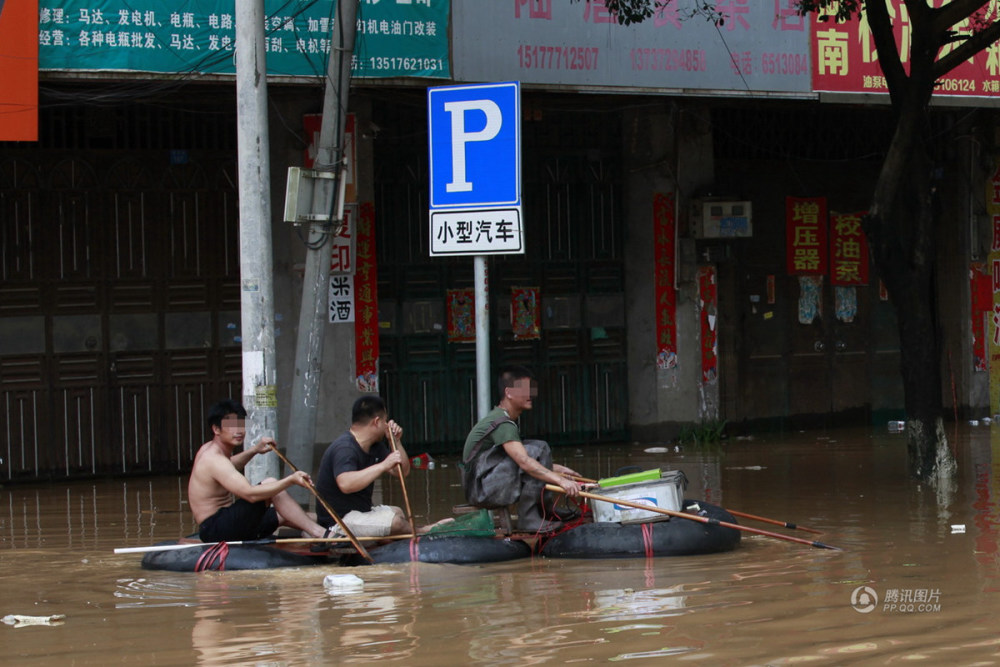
point(666, 493)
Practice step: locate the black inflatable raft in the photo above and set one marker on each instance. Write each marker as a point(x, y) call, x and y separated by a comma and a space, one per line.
point(676, 537)
point(431, 549)
point(460, 550)
point(235, 557)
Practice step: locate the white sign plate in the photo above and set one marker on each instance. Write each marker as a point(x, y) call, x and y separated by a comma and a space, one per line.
point(479, 232)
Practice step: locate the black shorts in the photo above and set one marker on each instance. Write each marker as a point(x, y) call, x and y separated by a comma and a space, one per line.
point(240, 521)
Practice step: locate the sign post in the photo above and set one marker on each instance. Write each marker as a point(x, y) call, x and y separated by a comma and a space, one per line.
point(475, 183)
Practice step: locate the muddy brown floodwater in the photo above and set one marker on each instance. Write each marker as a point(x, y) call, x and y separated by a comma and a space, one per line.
point(769, 602)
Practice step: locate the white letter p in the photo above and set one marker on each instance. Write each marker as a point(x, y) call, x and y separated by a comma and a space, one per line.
point(459, 137)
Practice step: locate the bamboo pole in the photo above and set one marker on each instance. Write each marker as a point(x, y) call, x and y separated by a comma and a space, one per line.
point(695, 517)
point(336, 517)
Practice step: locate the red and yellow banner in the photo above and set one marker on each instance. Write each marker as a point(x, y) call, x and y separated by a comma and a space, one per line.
point(806, 236)
point(366, 302)
point(848, 250)
point(664, 240)
point(981, 289)
point(19, 70)
point(461, 315)
point(993, 342)
point(525, 313)
point(708, 297)
point(844, 58)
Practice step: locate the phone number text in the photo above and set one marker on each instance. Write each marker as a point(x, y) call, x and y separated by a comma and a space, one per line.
point(557, 57)
point(404, 64)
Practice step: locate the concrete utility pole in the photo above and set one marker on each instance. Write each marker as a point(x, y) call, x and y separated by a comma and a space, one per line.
point(256, 281)
point(327, 210)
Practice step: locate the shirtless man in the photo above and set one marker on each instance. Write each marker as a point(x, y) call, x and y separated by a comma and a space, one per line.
point(217, 476)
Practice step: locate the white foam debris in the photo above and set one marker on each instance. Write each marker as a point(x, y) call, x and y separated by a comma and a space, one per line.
point(20, 620)
point(338, 584)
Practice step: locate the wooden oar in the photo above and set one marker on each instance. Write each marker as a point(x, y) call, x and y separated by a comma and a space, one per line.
point(695, 517)
point(343, 526)
point(776, 522)
point(402, 484)
point(263, 541)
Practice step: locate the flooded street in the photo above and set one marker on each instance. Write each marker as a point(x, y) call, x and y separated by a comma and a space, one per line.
point(769, 602)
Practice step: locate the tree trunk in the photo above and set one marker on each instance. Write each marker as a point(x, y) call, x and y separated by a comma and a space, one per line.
point(901, 228)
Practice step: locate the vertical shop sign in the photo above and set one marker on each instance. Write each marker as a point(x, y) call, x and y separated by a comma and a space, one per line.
point(343, 259)
point(664, 235)
point(708, 300)
point(525, 313)
point(342, 252)
point(461, 315)
point(848, 250)
point(806, 236)
point(993, 342)
point(19, 70)
point(366, 348)
point(981, 289)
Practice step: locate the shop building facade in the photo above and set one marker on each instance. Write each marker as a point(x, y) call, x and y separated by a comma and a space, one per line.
point(119, 293)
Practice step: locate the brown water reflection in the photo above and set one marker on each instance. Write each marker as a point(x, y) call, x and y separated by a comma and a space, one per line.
point(768, 603)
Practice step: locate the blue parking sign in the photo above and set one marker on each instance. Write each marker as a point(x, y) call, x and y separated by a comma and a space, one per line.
point(475, 146)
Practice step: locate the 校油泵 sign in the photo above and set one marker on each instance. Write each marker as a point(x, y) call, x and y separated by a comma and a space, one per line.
point(848, 250)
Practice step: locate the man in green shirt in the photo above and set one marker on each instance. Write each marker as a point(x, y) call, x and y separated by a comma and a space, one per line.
point(500, 469)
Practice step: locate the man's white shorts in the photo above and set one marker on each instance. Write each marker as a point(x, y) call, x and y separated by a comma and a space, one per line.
point(376, 523)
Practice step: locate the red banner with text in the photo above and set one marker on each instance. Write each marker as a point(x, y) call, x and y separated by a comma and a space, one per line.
point(848, 250)
point(806, 236)
point(19, 70)
point(664, 248)
point(366, 302)
point(708, 298)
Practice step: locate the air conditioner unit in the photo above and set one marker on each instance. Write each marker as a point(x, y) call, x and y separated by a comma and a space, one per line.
point(716, 219)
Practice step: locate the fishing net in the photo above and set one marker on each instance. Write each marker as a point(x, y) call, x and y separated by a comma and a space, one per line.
point(474, 524)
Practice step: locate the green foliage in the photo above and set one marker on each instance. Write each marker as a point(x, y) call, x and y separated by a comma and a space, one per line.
point(636, 11)
point(840, 10)
point(706, 433)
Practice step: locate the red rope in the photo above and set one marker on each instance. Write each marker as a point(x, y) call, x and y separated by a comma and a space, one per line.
point(647, 539)
point(414, 550)
point(213, 558)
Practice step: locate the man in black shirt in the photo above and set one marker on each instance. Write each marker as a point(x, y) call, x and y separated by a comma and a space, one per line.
point(350, 466)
